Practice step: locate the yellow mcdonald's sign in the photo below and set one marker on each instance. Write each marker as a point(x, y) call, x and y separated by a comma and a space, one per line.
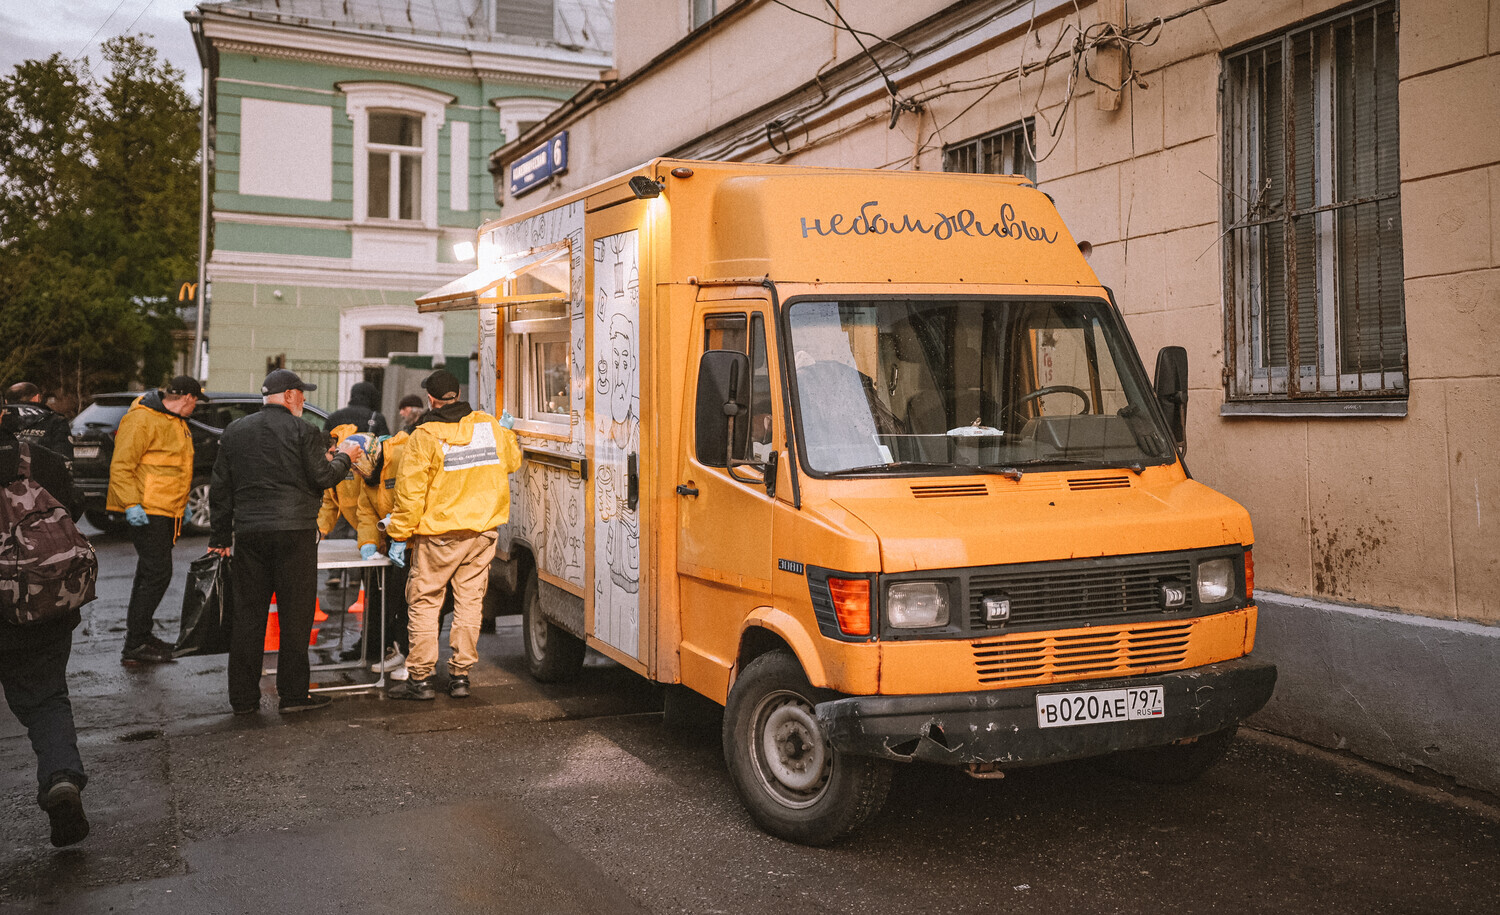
point(187, 292)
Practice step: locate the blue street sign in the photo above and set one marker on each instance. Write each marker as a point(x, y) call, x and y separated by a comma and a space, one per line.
point(540, 165)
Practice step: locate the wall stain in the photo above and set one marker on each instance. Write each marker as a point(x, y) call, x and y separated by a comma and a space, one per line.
point(1344, 557)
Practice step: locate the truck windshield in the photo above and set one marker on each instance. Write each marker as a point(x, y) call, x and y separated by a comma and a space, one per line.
point(943, 386)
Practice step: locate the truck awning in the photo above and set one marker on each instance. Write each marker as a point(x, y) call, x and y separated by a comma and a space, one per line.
point(482, 286)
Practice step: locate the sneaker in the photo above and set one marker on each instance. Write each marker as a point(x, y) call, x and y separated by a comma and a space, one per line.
point(399, 673)
point(146, 653)
point(163, 644)
point(64, 806)
point(458, 686)
point(421, 690)
point(305, 704)
point(245, 709)
point(393, 659)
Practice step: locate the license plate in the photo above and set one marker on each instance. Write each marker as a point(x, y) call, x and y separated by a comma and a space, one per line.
point(85, 452)
point(1100, 706)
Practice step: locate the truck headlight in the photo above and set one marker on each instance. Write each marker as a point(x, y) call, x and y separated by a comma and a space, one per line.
point(917, 604)
point(1215, 581)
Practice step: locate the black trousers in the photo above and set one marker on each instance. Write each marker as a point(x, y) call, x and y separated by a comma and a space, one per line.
point(153, 575)
point(34, 673)
point(284, 563)
point(396, 615)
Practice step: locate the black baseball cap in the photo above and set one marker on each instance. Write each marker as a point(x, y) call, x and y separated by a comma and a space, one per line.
point(184, 385)
point(441, 384)
point(283, 380)
point(412, 400)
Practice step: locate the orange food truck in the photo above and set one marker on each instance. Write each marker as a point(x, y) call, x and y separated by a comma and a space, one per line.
point(869, 459)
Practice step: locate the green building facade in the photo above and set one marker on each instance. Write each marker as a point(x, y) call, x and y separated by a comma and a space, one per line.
point(350, 144)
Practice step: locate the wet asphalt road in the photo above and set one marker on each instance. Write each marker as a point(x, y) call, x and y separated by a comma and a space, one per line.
point(576, 798)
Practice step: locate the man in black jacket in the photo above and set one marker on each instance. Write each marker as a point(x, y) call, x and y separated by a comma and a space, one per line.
point(267, 487)
point(34, 666)
point(36, 423)
point(360, 413)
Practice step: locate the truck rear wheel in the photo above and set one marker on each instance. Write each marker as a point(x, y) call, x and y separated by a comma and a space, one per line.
point(794, 784)
point(1174, 764)
point(552, 654)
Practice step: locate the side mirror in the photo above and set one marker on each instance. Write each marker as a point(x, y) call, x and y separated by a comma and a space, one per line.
point(722, 415)
point(1172, 392)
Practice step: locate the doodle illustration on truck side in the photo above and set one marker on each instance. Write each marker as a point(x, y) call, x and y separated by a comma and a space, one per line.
point(617, 541)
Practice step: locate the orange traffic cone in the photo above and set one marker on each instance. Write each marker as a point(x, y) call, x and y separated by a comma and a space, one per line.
point(359, 602)
point(318, 614)
point(273, 628)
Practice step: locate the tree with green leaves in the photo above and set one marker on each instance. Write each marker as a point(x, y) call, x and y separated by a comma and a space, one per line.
point(98, 218)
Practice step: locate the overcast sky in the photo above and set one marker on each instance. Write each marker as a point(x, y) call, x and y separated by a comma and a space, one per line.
point(34, 29)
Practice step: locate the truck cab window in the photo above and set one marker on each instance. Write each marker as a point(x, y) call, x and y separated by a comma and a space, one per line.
point(962, 386)
point(745, 334)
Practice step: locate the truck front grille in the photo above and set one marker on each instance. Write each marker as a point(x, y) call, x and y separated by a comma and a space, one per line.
point(1105, 652)
point(1072, 593)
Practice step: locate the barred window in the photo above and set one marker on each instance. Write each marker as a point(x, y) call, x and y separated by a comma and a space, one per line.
point(1312, 213)
point(1001, 152)
point(527, 18)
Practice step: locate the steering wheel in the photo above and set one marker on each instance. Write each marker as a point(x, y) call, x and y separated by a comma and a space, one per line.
point(1015, 405)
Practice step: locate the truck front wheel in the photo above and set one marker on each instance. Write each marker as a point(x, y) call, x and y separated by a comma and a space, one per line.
point(552, 653)
point(794, 784)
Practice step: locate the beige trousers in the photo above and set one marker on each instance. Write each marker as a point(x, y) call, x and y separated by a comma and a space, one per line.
point(460, 558)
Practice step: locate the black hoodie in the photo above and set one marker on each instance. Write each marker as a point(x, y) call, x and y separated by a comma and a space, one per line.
point(361, 412)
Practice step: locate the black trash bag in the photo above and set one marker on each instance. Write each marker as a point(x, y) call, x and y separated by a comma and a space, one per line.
point(207, 608)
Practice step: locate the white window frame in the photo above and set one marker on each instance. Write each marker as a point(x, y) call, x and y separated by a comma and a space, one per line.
point(360, 98)
point(515, 110)
point(521, 338)
point(355, 321)
point(1246, 248)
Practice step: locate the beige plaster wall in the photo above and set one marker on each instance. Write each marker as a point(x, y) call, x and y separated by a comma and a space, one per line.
point(1397, 513)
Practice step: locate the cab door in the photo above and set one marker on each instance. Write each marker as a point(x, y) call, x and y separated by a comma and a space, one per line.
point(724, 556)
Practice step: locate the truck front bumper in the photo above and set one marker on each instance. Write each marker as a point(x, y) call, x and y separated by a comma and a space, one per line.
point(1000, 726)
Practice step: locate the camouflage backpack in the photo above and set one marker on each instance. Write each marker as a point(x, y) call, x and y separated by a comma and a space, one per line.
point(47, 568)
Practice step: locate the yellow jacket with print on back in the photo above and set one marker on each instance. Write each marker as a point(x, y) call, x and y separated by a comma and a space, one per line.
point(153, 461)
point(455, 475)
point(343, 498)
point(379, 498)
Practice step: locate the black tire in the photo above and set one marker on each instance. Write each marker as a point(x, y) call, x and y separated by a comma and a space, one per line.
point(198, 501)
point(1174, 764)
point(553, 654)
point(811, 794)
point(105, 521)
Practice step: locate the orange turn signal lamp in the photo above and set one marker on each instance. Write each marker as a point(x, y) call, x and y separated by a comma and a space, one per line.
point(851, 603)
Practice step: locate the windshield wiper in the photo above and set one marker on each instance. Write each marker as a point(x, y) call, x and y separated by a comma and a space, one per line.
point(913, 465)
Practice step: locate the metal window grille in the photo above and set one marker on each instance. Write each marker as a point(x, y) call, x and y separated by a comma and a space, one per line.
point(702, 11)
point(1002, 152)
point(1312, 212)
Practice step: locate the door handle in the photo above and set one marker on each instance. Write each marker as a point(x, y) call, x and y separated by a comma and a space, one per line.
point(632, 482)
point(685, 490)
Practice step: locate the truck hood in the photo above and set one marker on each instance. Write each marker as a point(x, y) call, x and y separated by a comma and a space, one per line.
point(990, 520)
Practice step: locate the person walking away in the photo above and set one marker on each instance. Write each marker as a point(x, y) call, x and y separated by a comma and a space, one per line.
point(149, 479)
point(34, 658)
point(36, 423)
point(376, 501)
point(452, 492)
point(267, 486)
point(409, 410)
point(360, 412)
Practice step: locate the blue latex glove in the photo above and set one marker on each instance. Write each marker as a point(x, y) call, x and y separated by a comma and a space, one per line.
point(136, 515)
point(397, 553)
point(187, 514)
point(507, 420)
point(367, 551)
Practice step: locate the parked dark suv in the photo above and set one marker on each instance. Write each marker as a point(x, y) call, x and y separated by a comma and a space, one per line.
point(94, 444)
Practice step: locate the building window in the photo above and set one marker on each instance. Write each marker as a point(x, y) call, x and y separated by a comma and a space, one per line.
point(394, 150)
point(525, 18)
point(704, 10)
point(538, 368)
point(1002, 152)
point(395, 133)
point(380, 342)
point(520, 114)
point(1312, 213)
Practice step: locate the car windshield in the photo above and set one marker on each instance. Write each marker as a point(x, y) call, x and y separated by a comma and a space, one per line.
point(97, 416)
point(934, 386)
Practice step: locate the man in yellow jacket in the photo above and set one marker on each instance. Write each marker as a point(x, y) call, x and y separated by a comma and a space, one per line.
point(452, 492)
point(149, 478)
